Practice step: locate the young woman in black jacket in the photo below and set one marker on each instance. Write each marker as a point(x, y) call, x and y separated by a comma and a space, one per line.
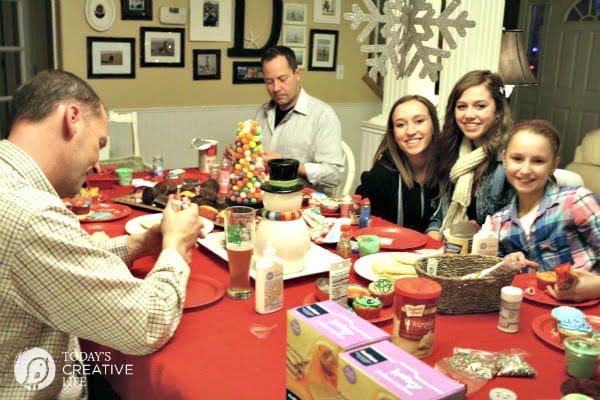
point(402, 185)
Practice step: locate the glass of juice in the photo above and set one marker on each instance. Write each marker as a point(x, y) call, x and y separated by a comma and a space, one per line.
point(240, 230)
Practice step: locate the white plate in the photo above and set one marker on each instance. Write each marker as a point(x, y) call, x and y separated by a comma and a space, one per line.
point(318, 260)
point(333, 236)
point(363, 266)
point(100, 14)
point(134, 225)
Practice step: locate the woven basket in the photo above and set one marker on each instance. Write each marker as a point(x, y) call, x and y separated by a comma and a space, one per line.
point(465, 296)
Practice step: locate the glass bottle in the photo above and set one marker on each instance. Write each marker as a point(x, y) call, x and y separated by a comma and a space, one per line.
point(223, 180)
point(158, 166)
point(364, 220)
point(344, 246)
point(213, 171)
point(355, 209)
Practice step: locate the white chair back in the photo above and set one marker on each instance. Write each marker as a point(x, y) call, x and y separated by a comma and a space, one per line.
point(567, 178)
point(349, 171)
point(129, 118)
point(123, 146)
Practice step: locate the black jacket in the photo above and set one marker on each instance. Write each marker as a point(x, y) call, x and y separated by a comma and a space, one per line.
point(381, 184)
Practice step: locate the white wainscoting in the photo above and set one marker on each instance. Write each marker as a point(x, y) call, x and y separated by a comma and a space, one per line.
point(169, 131)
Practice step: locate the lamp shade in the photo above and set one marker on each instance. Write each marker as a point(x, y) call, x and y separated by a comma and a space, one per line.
point(514, 66)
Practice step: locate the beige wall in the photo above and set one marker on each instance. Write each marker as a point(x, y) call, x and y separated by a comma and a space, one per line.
point(175, 87)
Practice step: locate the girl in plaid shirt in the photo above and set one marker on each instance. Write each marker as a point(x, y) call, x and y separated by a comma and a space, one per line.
point(545, 225)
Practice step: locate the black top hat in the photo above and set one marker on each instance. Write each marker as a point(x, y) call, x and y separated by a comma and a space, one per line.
point(283, 176)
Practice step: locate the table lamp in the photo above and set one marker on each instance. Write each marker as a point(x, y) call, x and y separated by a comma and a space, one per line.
point(514, 66)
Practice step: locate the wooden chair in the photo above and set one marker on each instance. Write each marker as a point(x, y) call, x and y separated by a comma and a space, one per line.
point(349, 171)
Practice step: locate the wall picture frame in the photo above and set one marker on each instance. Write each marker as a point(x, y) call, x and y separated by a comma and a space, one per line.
point(327, 11)
point(294, 13)
point(110, 57)
point(162, 47)
point(210, 20)
point(247, 72)
point(207, 64)
point(323, 50)
point(294, 36)
point(136, 9)
point(300, 56)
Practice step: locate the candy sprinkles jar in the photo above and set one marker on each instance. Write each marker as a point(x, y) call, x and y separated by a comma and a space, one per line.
point(248, 173)
point(282, 222)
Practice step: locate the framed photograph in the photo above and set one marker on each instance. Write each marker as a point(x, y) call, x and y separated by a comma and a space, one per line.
point(247, 72)
point(323, 50)
point(161, 47)
point(136, 9)
point(294, 36)
point(300, 56)
point(207, 64)
point(110, 57)
point(327, 11)
point(210, 20)
point(294, 13)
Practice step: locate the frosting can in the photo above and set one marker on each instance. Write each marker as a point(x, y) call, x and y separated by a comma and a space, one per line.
point(415, 307)
point(459, 238)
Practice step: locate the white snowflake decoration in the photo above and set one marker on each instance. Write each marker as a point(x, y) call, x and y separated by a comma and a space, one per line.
point(401, 20)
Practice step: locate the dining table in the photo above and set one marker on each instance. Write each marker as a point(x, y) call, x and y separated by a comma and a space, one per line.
point(226, 350)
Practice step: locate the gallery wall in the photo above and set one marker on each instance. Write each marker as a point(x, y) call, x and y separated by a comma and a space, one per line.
point(175, 87)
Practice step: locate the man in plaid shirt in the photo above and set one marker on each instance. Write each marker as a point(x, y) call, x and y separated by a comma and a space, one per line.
point(56, 284)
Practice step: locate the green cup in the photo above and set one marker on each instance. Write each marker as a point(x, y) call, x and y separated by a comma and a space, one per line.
point(582, 356)
point(124, 175)
point(368, 244)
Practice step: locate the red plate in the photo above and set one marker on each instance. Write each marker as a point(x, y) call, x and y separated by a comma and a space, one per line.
point(387, 313)
point(525, 281)
point(102, 212)
point(544, 328)
point(201, 291)
point(334, 214)
point(395, 237)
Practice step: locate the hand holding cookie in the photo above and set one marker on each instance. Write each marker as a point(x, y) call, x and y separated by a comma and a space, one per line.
point(585, 286)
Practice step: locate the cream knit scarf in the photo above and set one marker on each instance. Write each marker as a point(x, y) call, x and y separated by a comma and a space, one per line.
point(462, 174)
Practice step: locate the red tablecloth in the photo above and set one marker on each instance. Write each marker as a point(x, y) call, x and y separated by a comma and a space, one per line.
point(213, 354)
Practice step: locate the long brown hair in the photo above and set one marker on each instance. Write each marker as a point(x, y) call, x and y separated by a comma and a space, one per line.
point(388, 143)
point(494, 139)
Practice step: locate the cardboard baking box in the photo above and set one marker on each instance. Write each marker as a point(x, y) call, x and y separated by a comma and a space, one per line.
point(383, 371)
point(316, 335)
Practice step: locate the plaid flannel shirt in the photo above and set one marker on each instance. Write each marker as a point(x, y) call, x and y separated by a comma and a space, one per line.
point(566, 228)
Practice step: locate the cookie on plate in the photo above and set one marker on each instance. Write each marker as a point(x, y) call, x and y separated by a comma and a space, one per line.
point(574, 327)
point(383, 289)
point(566, 312)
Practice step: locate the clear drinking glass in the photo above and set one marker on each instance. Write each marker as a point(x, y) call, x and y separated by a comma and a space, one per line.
point(240, 230)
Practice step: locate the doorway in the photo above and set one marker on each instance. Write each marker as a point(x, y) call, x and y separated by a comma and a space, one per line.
point(26, 47)
point(564, 46)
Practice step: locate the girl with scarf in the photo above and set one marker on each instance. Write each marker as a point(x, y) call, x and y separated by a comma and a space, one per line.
point(402, 185)
point(475, 126)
